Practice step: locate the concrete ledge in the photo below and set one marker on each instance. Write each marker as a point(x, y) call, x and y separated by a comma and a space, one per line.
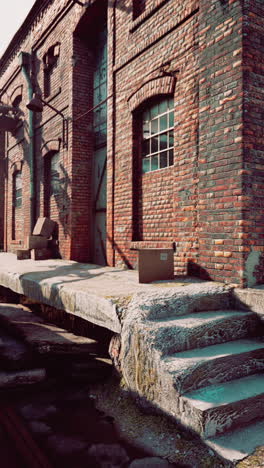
point(58, 285)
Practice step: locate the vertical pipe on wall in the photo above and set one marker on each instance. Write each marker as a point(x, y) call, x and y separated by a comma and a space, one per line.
point(113, 128)
point(25, 60)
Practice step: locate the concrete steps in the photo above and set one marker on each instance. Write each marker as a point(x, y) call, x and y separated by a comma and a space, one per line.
point(214, 363)
point(199, 357)
point(217, 408)
point(196, 368)
point(201, 329)
point(236, 444)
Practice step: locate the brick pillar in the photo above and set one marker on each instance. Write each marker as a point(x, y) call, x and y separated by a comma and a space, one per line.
point(253, 181)
point(220, 166)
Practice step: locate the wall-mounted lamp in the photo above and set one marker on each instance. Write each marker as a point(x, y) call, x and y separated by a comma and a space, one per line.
point(36, 105)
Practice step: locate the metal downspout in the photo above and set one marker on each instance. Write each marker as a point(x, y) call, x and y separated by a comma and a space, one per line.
point(25, 61)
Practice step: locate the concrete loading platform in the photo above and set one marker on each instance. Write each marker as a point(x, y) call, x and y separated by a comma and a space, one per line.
point(193, 349)
point(85, 290)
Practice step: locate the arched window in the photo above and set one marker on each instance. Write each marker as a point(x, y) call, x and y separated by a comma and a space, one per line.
point(157, 140)
point(52, 186)
point(17, 204)
point(54, 174)
point(50, 62)
point(17, 189)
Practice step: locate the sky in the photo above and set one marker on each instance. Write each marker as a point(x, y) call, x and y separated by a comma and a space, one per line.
point(12, 15)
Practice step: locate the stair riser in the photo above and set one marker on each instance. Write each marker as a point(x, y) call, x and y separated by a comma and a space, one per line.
point(211, 422)
point(187, 303)
point(170, 340)
point(220, 370)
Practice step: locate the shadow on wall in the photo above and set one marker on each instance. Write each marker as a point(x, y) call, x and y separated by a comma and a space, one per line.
point(120, 252)
point(194, 269)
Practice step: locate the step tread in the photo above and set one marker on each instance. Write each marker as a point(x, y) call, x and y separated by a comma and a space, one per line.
point(229, 392)
point(188, 358)
point(211, 365)
point(197, 319)
point(238, 443)
point(42, 336)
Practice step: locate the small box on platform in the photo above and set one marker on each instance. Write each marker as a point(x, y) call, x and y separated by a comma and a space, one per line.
point(44, 227)
point(40, 254)
point(155, 265)
point(23, 254)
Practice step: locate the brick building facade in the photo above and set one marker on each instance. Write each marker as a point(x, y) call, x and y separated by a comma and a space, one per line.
point(159, 137)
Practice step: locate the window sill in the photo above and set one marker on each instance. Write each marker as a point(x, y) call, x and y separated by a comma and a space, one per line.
point(146, 15)
point(140, 245)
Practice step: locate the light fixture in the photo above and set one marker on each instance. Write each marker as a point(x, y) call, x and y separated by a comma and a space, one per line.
point(36, 105)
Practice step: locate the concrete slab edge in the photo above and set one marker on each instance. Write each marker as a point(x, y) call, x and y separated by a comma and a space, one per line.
point(95, 309)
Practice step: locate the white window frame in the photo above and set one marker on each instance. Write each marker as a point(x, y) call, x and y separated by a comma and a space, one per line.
point(157, 135)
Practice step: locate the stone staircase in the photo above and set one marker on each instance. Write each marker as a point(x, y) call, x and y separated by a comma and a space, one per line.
point(33, 351)
point(201, 361)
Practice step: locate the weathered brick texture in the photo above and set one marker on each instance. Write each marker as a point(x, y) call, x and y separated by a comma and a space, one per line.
point(208, 56)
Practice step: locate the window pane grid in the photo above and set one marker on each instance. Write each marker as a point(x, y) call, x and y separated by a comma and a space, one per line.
point(157, 144)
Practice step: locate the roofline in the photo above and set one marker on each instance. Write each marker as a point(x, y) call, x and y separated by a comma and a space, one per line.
point(21, 33)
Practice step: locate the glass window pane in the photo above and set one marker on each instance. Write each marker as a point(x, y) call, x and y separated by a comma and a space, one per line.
point(171, 103)
point(97, 95)
point(163, 123)
point(163, 106)
point(18, 181)
point(154, 126)
point(154, 144)
point(104, 91)
point(154, 111)
point(145, 130)
point(164, 159)
point(163, 141)
point(171, 119)
point(54, 174)
point(154, 162)
point(171, 139)
point(145, 147)
point(100, 135)
point(97, 117)
point(145, 165)
point(146, 116)
point(171, 162)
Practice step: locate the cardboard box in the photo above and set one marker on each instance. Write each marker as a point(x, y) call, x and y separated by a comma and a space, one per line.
point(40, 254)
point(155, 265)
point(36, 242)
point(44, 227)
point(23, 254)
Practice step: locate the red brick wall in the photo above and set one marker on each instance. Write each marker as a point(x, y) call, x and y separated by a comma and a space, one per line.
point(140, 51)
point(220, 167)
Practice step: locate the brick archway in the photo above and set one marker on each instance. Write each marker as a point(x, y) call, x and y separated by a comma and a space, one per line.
point(154, 87)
